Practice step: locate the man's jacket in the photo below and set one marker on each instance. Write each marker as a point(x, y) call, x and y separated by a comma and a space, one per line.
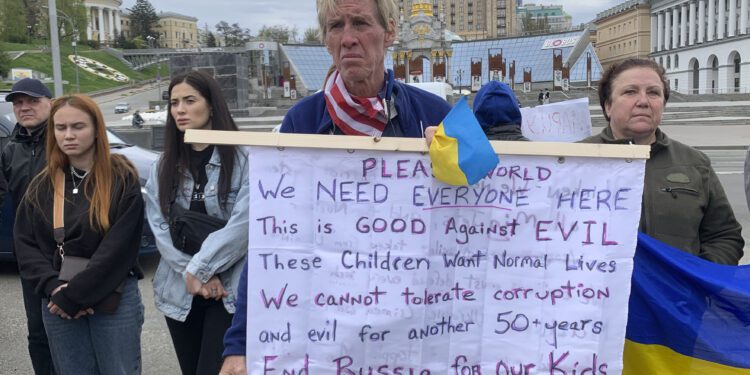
point(22, 159)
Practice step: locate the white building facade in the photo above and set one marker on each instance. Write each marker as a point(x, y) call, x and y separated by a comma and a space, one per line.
point(103, 20)
point(704, 45)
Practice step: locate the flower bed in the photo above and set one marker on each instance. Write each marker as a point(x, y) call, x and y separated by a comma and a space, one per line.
point(95, 67)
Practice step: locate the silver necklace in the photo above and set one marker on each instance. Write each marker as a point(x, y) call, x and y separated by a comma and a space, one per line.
point(75, 174)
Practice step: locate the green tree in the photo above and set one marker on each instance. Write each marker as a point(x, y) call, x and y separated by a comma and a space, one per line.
point(278, 33)
point(71, 18)
point(143, 20)
point(121, 41)
point(12, 14)
point(137, 43)
point(210, 40)
point(312, 35)
point(233, 35)
point(35, 19)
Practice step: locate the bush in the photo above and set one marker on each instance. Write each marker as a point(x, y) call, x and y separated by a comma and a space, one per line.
point(92, 43)
point(4, 64)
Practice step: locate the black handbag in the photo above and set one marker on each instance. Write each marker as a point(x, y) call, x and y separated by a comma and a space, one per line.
point(72, 265)
point(189, 229)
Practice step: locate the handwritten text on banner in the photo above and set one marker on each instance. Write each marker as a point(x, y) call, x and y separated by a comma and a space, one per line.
point(361, 263)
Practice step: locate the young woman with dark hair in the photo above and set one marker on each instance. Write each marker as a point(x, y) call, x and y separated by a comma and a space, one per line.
point(195, 284)
point(93, 314)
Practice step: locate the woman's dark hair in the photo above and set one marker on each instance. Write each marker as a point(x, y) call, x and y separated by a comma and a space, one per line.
point(605, 84)
point(176, 157)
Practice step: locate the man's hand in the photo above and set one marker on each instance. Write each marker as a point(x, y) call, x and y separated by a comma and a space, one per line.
point(233, 365)
point(429, 134)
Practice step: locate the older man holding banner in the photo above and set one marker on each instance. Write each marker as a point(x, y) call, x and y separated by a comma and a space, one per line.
point(360, 261)
point(360, 97)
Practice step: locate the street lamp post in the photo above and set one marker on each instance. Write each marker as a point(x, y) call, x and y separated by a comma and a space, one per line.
point(459, 73)
point(55, 45)
point(74, 44)
point(152, 42)
point(75, 57)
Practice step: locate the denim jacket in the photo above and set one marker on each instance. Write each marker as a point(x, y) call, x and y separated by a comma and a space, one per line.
point(224, 251)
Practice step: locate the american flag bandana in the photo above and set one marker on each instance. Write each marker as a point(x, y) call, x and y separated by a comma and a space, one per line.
point(352, 114)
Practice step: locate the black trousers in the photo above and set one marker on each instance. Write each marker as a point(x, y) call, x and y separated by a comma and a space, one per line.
point(199, 340)
point(41, 359)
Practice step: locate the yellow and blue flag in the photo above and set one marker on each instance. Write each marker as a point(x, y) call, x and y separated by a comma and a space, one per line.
point(460, 152)
point(686, 315)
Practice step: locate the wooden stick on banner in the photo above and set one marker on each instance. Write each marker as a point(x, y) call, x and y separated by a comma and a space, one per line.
point(559, 149)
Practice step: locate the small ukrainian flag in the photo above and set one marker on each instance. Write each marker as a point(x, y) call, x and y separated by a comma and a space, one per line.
point(460, 152)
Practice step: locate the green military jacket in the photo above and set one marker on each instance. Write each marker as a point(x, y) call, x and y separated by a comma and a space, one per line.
point(684, 204)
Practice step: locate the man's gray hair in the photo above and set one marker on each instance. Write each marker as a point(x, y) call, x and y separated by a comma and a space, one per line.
point(387, 11)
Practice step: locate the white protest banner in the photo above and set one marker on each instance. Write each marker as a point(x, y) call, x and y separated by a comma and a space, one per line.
point(567, 121)
point(361, 263)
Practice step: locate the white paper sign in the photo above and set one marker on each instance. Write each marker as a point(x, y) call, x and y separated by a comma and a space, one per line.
point(567, 121)
point(476, 83)
point(361, 263)
point(560, 42)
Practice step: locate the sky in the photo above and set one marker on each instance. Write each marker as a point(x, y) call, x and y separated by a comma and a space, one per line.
point(253, 14)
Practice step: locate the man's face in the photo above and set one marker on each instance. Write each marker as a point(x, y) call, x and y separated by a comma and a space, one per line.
point(30, 111)
point(357, 41)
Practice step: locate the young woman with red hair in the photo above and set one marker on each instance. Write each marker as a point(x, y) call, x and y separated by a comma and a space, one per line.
point(86, 267)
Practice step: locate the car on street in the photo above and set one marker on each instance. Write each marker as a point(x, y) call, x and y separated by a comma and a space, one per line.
point(122, 108)
point(141, 158)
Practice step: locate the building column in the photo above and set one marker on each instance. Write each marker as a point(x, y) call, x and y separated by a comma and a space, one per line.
point(660, 31)
point(711, 20)
point(89, 22)
point(101, 25)
point(732, 31)
point(743, 18)
point(676, 27)
point(691, 23)
point(654, 33)
point(118, 23)
point(111, 20)
point(701, 21)
point(721, 19)
point(683, 24)
point(668, 30)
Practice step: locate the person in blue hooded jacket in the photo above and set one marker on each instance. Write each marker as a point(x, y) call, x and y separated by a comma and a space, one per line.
point(496, 109)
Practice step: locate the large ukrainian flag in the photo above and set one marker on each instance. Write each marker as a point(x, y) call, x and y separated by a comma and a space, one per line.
point(687, 315)
point(460, 152)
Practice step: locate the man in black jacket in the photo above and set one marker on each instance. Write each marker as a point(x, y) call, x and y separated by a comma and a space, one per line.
point(21, 160)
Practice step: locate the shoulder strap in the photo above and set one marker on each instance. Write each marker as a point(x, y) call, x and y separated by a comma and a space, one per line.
point(58, 224)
